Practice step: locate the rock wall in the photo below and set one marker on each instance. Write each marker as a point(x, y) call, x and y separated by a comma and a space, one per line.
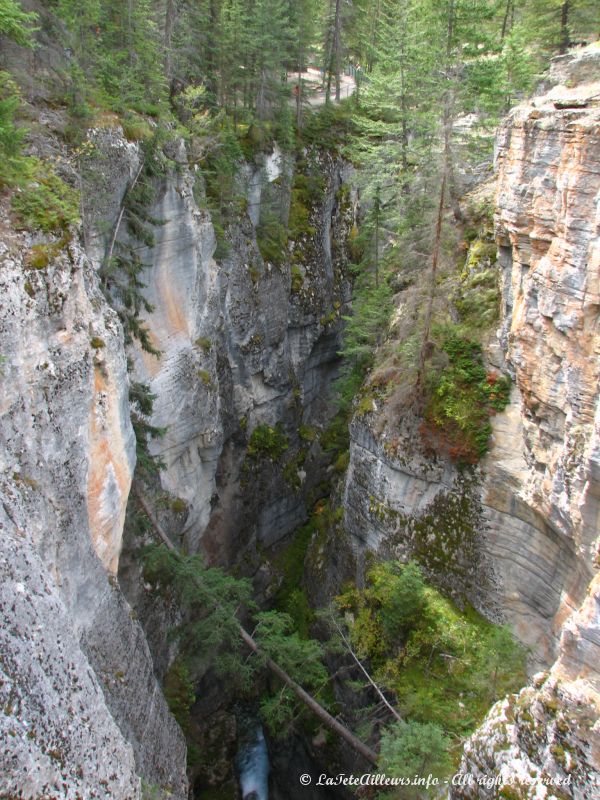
point(538, 508)
point(81, 713)
point(242, 345)
point(547, 478)
point(525, 531)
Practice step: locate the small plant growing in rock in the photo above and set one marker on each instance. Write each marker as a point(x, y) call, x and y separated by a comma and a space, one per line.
point(45, 201)
point(461, 397)
point(297, 278)
point(178, 506)
point(203, 342)
point(267, 442)
point(306, 433)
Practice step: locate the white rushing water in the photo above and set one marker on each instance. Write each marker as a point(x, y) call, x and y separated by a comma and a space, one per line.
point(253, 767)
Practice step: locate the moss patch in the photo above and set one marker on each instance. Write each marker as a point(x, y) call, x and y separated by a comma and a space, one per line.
point(444, 665)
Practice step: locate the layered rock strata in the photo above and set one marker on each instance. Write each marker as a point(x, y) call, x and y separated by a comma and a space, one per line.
point(548, 476)
point(82, 713)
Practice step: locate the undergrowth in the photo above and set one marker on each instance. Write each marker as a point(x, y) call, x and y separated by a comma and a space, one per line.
point(444, 666)
point(462, 397)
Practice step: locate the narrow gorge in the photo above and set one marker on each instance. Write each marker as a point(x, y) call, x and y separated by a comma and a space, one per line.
point(341, 355)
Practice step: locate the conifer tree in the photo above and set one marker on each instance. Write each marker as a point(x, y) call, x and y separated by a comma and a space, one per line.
point(15, 23)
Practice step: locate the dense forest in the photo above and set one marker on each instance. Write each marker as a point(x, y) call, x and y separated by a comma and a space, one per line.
point(431, 80)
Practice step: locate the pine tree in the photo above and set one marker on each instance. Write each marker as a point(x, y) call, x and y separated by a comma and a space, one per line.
point(16, 24)
point(414, 749)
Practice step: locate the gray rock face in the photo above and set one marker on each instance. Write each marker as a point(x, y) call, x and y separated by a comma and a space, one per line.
point(547, 226)
point(58, 737)
point(538, 527)
point(540, 743)
point(241, 346)
point(82, 703)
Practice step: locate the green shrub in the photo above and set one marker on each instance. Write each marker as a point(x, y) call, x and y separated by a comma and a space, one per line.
point(414, 748)
point(204, 376)
point(44, 201)
point(178, 505)
point(136, 128)
point(445, 666)
point(461, 398)
point(308, 192)
point(41, 255)
point(271, 237)
point(306, 433)
point(297, 279)
point(267, 442)
point(11, 137)
point(204, 342)
point(179, 693)
point(341, 463)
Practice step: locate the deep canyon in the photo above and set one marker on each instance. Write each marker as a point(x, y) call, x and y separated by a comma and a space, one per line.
point(249, 343)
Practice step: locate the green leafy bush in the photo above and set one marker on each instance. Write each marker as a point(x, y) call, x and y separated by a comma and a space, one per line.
point(44, 200)
point(301, 658)
point(142, 402)
point(267, 442)
point(445, 666)
point(16, 23)
point(461, 398)
point(11, 137)
point(414, 748)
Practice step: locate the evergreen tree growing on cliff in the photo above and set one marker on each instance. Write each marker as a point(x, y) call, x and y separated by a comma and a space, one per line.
point(16, 24)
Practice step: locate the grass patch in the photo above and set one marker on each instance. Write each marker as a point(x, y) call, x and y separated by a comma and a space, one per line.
point(41, 255)
point(136, 128)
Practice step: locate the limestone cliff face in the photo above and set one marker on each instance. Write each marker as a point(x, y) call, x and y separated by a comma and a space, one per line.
point(81, 712)
point(534, 516)
point(547, 224)
point(243, 344)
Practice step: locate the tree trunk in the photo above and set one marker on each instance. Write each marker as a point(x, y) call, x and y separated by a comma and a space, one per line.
point(299, 89)
point(328, 61)
point(113, 239)
point(403, 104)
point(424, 352)
point(361, 666)
point(565, 39)
point(507, 21)
point(374, 31)
point(169, 22)
point(377, 210)
point(309, 701)
point(330, 722)
point(337, 48)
